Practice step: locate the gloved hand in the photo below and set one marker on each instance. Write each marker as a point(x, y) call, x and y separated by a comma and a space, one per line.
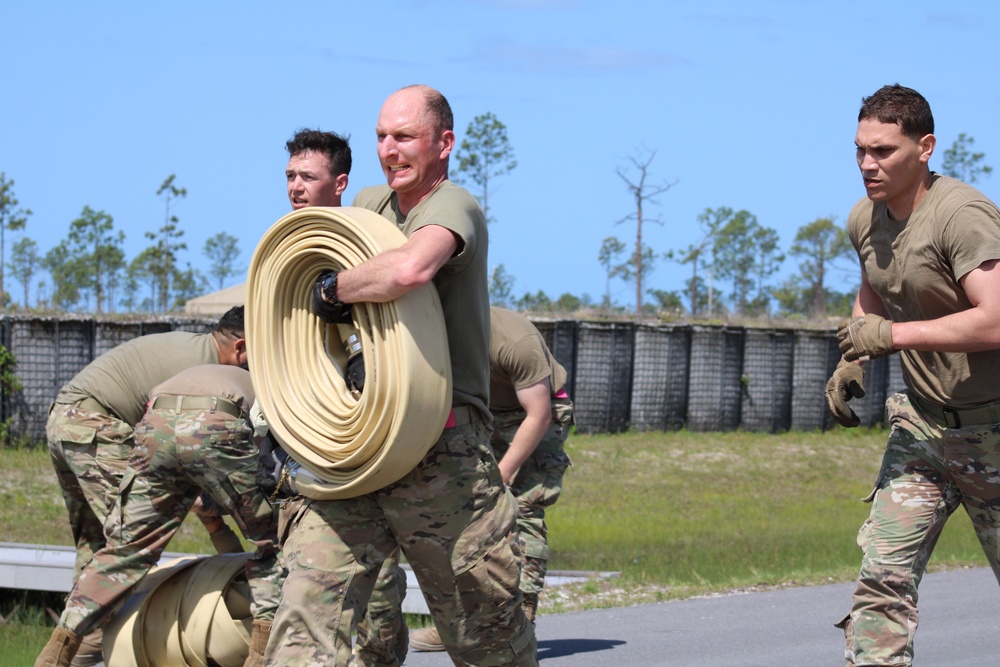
point(272, 460)
point(330, 309)
point(847, 382)
point(867, 336)
point(355, 374)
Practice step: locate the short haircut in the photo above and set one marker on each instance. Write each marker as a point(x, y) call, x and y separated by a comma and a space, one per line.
point(332, 145)
point(901, 106)
point(231, 324)
point(437, 107)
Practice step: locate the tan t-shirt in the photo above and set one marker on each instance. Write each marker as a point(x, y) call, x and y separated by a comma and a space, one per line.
point(915, 265)
point(121, 378)
point(215, 380)
point(461, 283)
point(519, 358)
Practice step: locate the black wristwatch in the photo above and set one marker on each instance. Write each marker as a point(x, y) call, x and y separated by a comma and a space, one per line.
point(329, 288)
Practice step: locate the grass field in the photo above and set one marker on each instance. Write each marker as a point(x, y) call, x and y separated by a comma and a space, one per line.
point(681, 514)
point(677, 514)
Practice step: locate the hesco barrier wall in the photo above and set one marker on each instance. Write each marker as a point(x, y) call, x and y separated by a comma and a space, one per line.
point(50, 351)
point(706, 378)
point(621, 375)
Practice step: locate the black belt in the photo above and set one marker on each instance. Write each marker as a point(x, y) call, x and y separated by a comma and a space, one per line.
point(213, 403)
point(461, 415)
point(959, 417)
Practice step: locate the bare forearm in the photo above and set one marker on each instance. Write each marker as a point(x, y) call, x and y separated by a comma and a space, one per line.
point(391, 274)
point(377, 280)
point(523, 445)
point(972, 330)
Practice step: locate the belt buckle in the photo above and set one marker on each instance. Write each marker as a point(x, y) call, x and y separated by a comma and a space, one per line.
point(951, 418)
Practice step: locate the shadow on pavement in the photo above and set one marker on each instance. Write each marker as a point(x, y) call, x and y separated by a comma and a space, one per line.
point(558, 648)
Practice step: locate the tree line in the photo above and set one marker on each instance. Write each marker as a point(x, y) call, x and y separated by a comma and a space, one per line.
point(732, 264)
point(88, 270)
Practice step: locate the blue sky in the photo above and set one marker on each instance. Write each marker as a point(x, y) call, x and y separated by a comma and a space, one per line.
point(750, 105)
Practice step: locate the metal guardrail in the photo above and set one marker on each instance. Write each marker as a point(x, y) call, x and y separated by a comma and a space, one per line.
point(46, 567)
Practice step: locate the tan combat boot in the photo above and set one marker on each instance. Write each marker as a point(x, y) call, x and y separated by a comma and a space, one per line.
point(426, 639)
point(258, 642)
point(60, 650)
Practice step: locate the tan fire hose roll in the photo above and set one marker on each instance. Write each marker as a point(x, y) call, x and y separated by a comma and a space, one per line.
point(213, 628)
point(352, 444)
point(123, 635)
point(189, 612)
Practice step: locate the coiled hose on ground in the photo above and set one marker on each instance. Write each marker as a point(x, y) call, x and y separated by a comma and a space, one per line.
point(187, 612)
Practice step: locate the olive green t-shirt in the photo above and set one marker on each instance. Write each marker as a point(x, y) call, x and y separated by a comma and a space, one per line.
point(121, 378)
point(519, 358)
point(914, 265)
point(461, 283)
point(216, 380)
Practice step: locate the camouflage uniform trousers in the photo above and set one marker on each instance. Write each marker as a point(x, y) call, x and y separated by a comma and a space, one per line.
point(90, 453)
point(454, 521)
point(383, 638)
point(176, 455)
point(927, 472)
point(537, 485)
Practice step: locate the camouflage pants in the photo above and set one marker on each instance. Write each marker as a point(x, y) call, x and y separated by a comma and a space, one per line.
point(453, 520)
point(177, 454)
point(90, 453)
point(537, 485)
point(383, 638)
point(927, 473)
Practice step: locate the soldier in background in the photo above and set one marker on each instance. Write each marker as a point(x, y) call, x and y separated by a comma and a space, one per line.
point(319, 166)
point(90, 424)
point(196, 435)
point(532, 414)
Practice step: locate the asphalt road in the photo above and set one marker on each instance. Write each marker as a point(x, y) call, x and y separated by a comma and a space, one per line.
point(959, 627)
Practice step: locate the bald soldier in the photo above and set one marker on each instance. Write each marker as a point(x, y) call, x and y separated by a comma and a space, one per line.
point(333, 549)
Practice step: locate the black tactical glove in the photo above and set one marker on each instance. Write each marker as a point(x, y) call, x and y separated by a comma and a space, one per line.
point(272, 461)
point(330, 309)
point(847, 382)
point(355, 374)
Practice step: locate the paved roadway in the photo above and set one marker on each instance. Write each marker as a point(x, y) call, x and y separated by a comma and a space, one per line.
point(959, 627)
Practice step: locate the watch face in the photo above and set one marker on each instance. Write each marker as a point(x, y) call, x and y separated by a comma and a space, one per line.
point(330, 288)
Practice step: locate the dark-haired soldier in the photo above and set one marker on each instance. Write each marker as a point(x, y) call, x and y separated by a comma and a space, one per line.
point(929, 246)
point(318, 167)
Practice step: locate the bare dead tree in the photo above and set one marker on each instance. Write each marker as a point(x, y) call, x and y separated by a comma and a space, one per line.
point(641, 193)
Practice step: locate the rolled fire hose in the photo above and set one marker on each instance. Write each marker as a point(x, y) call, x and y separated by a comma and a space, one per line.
point(349, 444)
point(189, 612)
